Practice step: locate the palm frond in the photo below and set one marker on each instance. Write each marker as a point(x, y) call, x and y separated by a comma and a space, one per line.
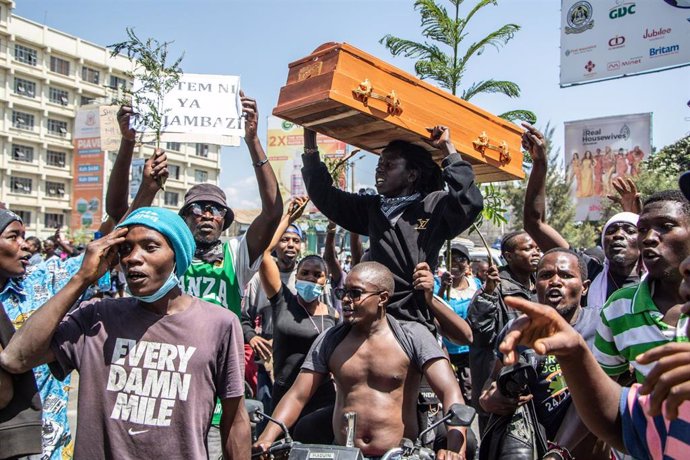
point(496, 39)
point(473, 11)
point(437, 24)
point(407, 48)
point(515, 115)
point(508, 88)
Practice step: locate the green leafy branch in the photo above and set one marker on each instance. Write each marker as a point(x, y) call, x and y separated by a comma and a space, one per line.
point(156, 75)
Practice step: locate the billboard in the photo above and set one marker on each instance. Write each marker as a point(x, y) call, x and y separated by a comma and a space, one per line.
point(599, 150)
point(602, 39)
point(284, 150)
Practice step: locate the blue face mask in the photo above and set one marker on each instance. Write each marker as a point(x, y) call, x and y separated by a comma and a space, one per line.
point(170, 283)
point(308, 291)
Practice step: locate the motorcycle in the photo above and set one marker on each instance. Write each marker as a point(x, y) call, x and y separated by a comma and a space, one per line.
point(288, 449)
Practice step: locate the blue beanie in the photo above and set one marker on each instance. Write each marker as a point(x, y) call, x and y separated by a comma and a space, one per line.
point(170, 225)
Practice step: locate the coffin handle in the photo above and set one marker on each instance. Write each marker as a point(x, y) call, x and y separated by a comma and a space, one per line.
point(364, 91)
point(482, 143)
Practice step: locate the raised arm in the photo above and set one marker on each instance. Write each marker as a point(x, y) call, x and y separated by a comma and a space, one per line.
point(64, 243)
point(154, 168)
point(534, 212)
point(465, 200)
point(118, 182)
point(329, 255)
point(596, 396)
point(30, 345)
point(355, 248)
point(264, 226)
point(349, 210)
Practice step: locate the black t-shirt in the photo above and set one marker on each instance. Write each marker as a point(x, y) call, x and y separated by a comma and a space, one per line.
point(294, 331)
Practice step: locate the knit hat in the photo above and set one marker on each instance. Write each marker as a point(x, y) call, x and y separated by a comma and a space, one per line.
point(210, 193)
point(172, 227)
point(6, 218)
point(629, 217)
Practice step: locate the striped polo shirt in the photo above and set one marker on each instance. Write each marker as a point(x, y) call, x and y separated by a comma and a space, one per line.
point(631, 324)
point(653, 437)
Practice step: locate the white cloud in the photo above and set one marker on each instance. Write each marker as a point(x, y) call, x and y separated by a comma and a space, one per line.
point(243, 193)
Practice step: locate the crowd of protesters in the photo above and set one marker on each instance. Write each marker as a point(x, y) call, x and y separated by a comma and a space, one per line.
point(171, 328)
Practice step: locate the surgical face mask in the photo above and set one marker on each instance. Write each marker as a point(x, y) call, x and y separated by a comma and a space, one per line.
point(307, 290)
point(170, 283)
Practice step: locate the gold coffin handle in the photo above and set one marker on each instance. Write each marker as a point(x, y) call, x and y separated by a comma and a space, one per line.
point(365, 90)
point(482, 143)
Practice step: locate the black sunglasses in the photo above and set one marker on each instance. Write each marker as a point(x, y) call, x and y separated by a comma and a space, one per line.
point(354, 294)
point(198, 209)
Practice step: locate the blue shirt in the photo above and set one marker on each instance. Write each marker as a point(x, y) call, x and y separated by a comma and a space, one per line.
point(21, 297)
point(459, 301)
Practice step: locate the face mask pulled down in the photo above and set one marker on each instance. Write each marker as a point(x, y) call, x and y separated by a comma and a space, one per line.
point(170, 283)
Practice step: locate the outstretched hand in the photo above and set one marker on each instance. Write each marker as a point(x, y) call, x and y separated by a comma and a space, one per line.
point(297, 206)
point(155, 170)
point(124, 116)
point(533, 142)
point(668, 383)
point(444, 454)
point(493, 279)
point(628, 196)
point(101, 255)
point(250, 110)
point(541, 328)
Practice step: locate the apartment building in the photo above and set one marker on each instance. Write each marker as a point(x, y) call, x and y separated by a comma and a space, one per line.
point(45, 76)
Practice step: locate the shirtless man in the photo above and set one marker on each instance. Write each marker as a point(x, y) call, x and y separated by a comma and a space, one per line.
point(377, 363)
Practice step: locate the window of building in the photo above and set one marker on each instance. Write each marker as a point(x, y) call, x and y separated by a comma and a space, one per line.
point(58, 96)
point(174, 172)
point(25, 54)
point(24, 87)
point(56, 189)
point(58, 65)
point(86, 100)
point(56, 158)
point(57, 127)
point(90, 75)
point(22, 153)
point(202, 150)
point(54, 220)
point(200, 176)
point(20, 185)
point(176, 146)
point(22, 120)
point(117, 82)
point(25, 216)
point(171, 199)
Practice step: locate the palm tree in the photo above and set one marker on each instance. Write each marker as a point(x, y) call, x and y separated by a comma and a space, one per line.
point(448, 68)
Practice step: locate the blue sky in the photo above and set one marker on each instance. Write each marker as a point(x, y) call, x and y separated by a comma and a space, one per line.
point(256, 39)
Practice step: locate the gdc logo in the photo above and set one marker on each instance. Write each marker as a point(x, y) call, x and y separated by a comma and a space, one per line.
point(622, 10)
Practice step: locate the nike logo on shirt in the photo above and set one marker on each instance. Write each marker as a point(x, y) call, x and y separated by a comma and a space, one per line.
point(134, 433)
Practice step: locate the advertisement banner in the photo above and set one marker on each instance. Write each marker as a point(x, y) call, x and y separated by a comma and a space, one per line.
point(599, 150)
point(284, 150)
point(602, 39)
point(200, 108)
point(88, 184)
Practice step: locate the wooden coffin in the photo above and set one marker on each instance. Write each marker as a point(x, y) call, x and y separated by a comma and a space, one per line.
point(345, 93)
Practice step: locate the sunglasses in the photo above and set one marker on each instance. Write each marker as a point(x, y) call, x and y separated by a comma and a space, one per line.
point(199, 210)
point(354, 293)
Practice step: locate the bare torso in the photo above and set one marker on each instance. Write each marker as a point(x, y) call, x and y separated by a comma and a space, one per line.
point(374, 379)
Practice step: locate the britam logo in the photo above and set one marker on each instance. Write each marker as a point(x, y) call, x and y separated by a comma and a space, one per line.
point(579, 18)
point(664, 50)
point(622, 9)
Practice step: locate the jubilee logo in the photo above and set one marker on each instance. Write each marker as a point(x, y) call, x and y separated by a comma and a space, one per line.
point(656, 34)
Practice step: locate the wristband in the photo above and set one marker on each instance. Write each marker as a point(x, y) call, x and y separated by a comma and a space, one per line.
point(310, 150)
point(260, 163)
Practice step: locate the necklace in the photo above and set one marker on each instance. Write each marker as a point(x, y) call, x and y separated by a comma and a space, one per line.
point(608, 273)
point(312, 319)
